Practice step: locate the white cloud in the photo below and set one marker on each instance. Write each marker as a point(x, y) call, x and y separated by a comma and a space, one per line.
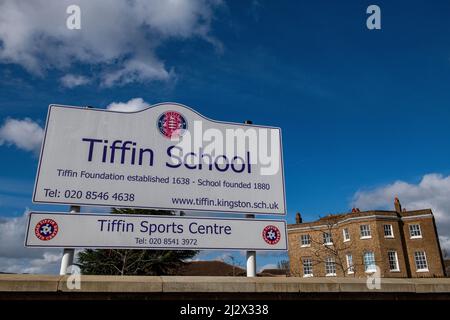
point(72, 81)
point(225, 257)
point(134, 104)
point(27, 134)
point(445, 244)
point(118, 38)
point(431, 192)
point(24, 134)
point(49, 263)
point(15, 258)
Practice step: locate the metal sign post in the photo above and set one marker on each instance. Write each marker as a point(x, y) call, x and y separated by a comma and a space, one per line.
point(251, 255)
point(68, 254)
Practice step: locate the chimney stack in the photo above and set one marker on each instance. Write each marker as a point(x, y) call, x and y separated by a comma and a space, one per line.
point(398, 206)
point(298, 218)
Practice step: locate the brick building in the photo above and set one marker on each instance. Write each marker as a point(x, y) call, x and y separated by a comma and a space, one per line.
point(398, 244)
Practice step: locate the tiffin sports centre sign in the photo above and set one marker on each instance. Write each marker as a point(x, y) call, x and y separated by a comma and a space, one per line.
point(153, 232)
point(165, 157)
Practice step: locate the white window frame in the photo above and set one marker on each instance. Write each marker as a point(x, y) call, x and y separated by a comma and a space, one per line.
point(329, 243)
point(307, 275)
point(330, 261)
point(350, 265)
point(418, 229)
point(391, 229)
point(302, 245)
point(397, 269)
point(346, 234)
point(361, 231)
point(426, 261)
point(367, 268)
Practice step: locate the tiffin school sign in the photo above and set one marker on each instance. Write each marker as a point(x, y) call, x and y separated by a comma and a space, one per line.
point(167, 156)
point(164, 157)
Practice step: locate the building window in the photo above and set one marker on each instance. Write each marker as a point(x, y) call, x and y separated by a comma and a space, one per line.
point(350, 267)
point(346, 234)
point(330, 267)
point(414, 231)
point(369, 262)
point(388, 232)
point(393, 261)
point(365, 231)
point(305, 240)
point(421, 261)
point(327, 238)
point(307, 267)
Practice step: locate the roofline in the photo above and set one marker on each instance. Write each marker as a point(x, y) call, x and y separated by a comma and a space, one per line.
point(368, 217)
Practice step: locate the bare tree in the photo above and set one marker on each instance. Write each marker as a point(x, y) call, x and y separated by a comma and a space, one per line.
point(283, 265)
point(328, 247)
point(234, 263)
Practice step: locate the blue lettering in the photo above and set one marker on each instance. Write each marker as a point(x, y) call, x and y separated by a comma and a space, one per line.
point(216, 229)
point(221, 163)
point(127, 149)
point(91, 146)
point(169, 153)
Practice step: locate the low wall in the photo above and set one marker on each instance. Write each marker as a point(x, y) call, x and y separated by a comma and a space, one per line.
point(217, 288)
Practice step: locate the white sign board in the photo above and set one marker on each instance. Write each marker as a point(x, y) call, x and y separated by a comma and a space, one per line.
point(165, 157)
point(153, 232)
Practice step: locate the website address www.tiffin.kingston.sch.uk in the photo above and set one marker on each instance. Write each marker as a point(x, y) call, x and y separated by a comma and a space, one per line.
point(231, 204)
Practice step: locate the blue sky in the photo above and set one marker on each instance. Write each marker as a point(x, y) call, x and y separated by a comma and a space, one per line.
point(364, 113)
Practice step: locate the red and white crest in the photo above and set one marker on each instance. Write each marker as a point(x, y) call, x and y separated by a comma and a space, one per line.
point(46, 229)
point(271, 234)
point(172, 124)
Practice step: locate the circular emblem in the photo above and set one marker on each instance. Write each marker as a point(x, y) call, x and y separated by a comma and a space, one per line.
point(271, 234)
point(46, 229)
point(172, 124)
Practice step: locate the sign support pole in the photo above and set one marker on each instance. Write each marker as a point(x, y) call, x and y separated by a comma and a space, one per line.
point(251, 255)
point(68, 254)
point(67, 258)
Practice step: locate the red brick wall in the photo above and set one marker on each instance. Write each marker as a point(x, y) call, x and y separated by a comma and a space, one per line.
point(378, 243)
point(428, 243)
